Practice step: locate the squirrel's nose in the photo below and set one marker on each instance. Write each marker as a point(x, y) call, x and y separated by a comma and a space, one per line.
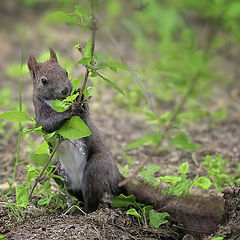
point(65, 91)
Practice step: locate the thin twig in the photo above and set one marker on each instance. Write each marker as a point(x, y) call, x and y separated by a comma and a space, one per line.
point(94, 29)
point(45, 166)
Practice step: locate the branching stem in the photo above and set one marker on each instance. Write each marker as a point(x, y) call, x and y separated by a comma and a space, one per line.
point(38, 179)
point(94, 29)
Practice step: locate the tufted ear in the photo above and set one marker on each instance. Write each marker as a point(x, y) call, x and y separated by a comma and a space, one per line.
point(53, 56)
point(32, 65)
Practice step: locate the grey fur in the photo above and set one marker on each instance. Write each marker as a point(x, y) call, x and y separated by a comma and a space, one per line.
point(99, 174)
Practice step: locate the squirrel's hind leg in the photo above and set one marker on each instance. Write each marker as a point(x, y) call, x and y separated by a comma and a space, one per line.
point(100, 175)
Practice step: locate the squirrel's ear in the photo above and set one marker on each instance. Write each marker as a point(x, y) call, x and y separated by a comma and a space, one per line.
point(53, 55)
point(32, 64)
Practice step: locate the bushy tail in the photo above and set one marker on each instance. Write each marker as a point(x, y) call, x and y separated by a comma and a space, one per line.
point(195, 215)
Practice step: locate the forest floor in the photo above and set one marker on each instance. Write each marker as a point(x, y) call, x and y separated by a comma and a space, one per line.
point(118, 127)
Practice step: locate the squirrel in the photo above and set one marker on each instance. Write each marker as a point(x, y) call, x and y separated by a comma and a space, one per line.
point(89, 167)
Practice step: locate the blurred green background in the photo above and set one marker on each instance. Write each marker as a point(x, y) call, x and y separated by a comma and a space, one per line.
point(182, 58)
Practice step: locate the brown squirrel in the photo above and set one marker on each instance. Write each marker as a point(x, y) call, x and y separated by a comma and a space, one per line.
point(89, 167)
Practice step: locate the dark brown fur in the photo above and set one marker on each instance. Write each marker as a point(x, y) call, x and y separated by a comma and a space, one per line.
point(190, 214)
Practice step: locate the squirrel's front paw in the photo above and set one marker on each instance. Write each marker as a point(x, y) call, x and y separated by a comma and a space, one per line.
point(77, 109)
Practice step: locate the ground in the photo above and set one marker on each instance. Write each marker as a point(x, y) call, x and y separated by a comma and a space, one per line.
point(119, 127)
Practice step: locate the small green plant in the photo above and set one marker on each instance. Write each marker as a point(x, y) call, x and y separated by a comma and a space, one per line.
point(2, 236)
point(145, 214)
point(218, 238)
point(217, 172)
point(147, 174)
point(14, 209)
point(181, 185)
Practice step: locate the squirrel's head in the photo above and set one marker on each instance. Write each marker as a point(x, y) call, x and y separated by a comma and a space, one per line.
point(50, 80)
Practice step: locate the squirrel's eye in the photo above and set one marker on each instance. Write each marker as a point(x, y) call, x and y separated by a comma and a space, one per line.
point(44, 80)
point(67, 73)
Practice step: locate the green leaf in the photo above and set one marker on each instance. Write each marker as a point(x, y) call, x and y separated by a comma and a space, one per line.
point(48, 136)
point(152, 168)
point(83, 14)
point(77, 45)
point(74, 128)
point(203, 182)
point(182, 187)
point(132, 211)
point(32, 172)
point(183, 168)
point(71, 98)
point(118, 65)
point(152, 138)
point(60, 106)
point(124, 201)
point(94, 74)
point(218, 238)
point(22, 196)
point(147, 174)
point(86, 91)
point(75, 84)
point(88, 49)
point(146, 210)
point(43, 148)
point(60, 16)
point(182, 141)
point(51, 175)
point(31, 130)
point(39, 159)
point(15, 116)
point(170, 179)
point(44, 201)
point(2, 236)
point(112, 84)
point(157, 219)
point(47, 186)
point(85, 61)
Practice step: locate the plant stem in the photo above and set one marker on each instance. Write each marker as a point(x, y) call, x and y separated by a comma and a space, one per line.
point(45, 166)
point(20, 125)
point(182, 103)
point(93, 28)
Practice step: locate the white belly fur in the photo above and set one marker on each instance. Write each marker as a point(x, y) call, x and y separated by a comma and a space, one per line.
point(73, 158)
